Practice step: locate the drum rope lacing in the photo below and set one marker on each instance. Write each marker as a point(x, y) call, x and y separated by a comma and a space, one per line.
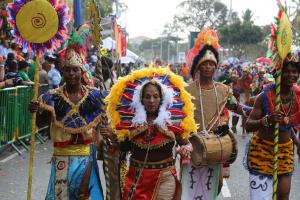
point(202, 111)
point(204, 130)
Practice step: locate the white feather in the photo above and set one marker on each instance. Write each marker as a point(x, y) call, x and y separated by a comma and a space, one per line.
point(163, 117)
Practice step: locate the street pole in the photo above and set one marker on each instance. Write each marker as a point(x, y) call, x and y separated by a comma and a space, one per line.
point(161, 47)
point(168, 51)
point(177, 58)
point(152, 51)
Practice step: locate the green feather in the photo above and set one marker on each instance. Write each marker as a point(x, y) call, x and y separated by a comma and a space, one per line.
point(74, 39)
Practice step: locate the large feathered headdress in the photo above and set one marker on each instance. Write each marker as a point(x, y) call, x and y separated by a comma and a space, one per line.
point(126, 112)
point(206, 37)
point(74, 55)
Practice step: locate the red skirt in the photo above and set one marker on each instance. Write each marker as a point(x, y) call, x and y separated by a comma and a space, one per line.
point(143, 184)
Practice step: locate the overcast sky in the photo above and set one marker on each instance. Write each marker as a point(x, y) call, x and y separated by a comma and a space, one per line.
point(147, 17)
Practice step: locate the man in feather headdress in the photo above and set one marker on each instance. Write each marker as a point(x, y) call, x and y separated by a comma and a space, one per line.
point(212, 102)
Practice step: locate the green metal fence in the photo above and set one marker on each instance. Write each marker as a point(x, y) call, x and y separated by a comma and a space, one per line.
point(15, 118)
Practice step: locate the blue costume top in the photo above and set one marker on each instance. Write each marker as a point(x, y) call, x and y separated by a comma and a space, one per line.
point(72, 133)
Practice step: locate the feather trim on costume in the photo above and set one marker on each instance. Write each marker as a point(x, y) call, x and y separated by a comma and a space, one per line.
point(140, 117)
point(164, 115)
point(39, 48)
point(123, 93)
point(48, 105)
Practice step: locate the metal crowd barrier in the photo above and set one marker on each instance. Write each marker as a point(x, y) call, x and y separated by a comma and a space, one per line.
point(15, 118)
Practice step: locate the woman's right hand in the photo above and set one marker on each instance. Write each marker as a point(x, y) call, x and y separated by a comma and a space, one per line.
point(34, 106)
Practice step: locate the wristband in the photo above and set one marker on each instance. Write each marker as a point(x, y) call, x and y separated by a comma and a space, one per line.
point(264, 121)
point(246, 108)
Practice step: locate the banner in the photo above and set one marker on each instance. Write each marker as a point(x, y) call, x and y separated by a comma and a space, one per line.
point(77, 13)
point(123, 43)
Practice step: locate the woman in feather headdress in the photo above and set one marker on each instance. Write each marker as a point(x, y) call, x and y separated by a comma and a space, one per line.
point(150, 111)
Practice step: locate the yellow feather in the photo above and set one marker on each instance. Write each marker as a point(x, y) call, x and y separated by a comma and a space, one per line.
point(113, 99)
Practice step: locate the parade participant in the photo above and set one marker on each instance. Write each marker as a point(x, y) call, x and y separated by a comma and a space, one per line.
point(185, 72)
point(260, 81)
point(211, 99)
point(262, 119)
point(149, 111)
point(235, 86)
point(157, 62)
point(75, 110)
point(245, 82)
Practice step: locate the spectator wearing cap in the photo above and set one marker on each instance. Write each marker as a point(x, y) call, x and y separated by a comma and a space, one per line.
point(23, 72)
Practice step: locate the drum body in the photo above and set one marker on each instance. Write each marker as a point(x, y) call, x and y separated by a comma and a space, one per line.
point(209, 149)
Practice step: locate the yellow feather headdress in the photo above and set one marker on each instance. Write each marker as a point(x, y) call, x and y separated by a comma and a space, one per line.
point(120, 101)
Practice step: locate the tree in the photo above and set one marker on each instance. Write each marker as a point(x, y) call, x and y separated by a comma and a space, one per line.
point(196, 14)
point(239, 35)
point(247, 16)
point(106, 7)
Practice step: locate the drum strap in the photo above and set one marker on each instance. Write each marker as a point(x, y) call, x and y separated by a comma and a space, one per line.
point(201, 107)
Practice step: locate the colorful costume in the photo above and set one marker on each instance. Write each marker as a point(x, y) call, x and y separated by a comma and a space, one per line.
point(74, 164)
point(259, 158)
point(145, 179)
point(197, 182)
point(72, 136)
point(211, 112)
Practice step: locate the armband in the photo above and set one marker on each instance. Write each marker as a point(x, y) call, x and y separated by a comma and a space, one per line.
point(264, 121)
point(246, 108)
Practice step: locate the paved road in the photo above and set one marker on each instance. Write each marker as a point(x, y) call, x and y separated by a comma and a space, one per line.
point(13, 176)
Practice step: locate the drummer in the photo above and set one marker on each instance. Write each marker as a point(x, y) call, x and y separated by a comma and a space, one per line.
point(212, 101)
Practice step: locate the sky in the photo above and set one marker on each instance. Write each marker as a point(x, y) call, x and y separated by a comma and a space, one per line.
point(147, 17)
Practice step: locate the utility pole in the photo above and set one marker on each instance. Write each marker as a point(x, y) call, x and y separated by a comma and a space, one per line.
point(230, 12)
point(177, 58)
point(153, 56)
point(117, 8)
point(161, 40)
point(168, 50)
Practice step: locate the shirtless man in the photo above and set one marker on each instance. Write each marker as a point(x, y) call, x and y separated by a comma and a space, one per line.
point(262, 120)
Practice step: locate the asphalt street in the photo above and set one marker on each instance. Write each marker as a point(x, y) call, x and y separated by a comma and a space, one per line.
point(14, 174)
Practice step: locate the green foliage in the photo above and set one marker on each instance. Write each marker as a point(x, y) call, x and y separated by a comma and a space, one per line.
point(196, 14)
point(247, 17)
point(239, 35)
point(241, 32)
point(105, 7)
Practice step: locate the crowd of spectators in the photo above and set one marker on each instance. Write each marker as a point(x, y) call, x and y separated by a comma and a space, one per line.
point(18, 68)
